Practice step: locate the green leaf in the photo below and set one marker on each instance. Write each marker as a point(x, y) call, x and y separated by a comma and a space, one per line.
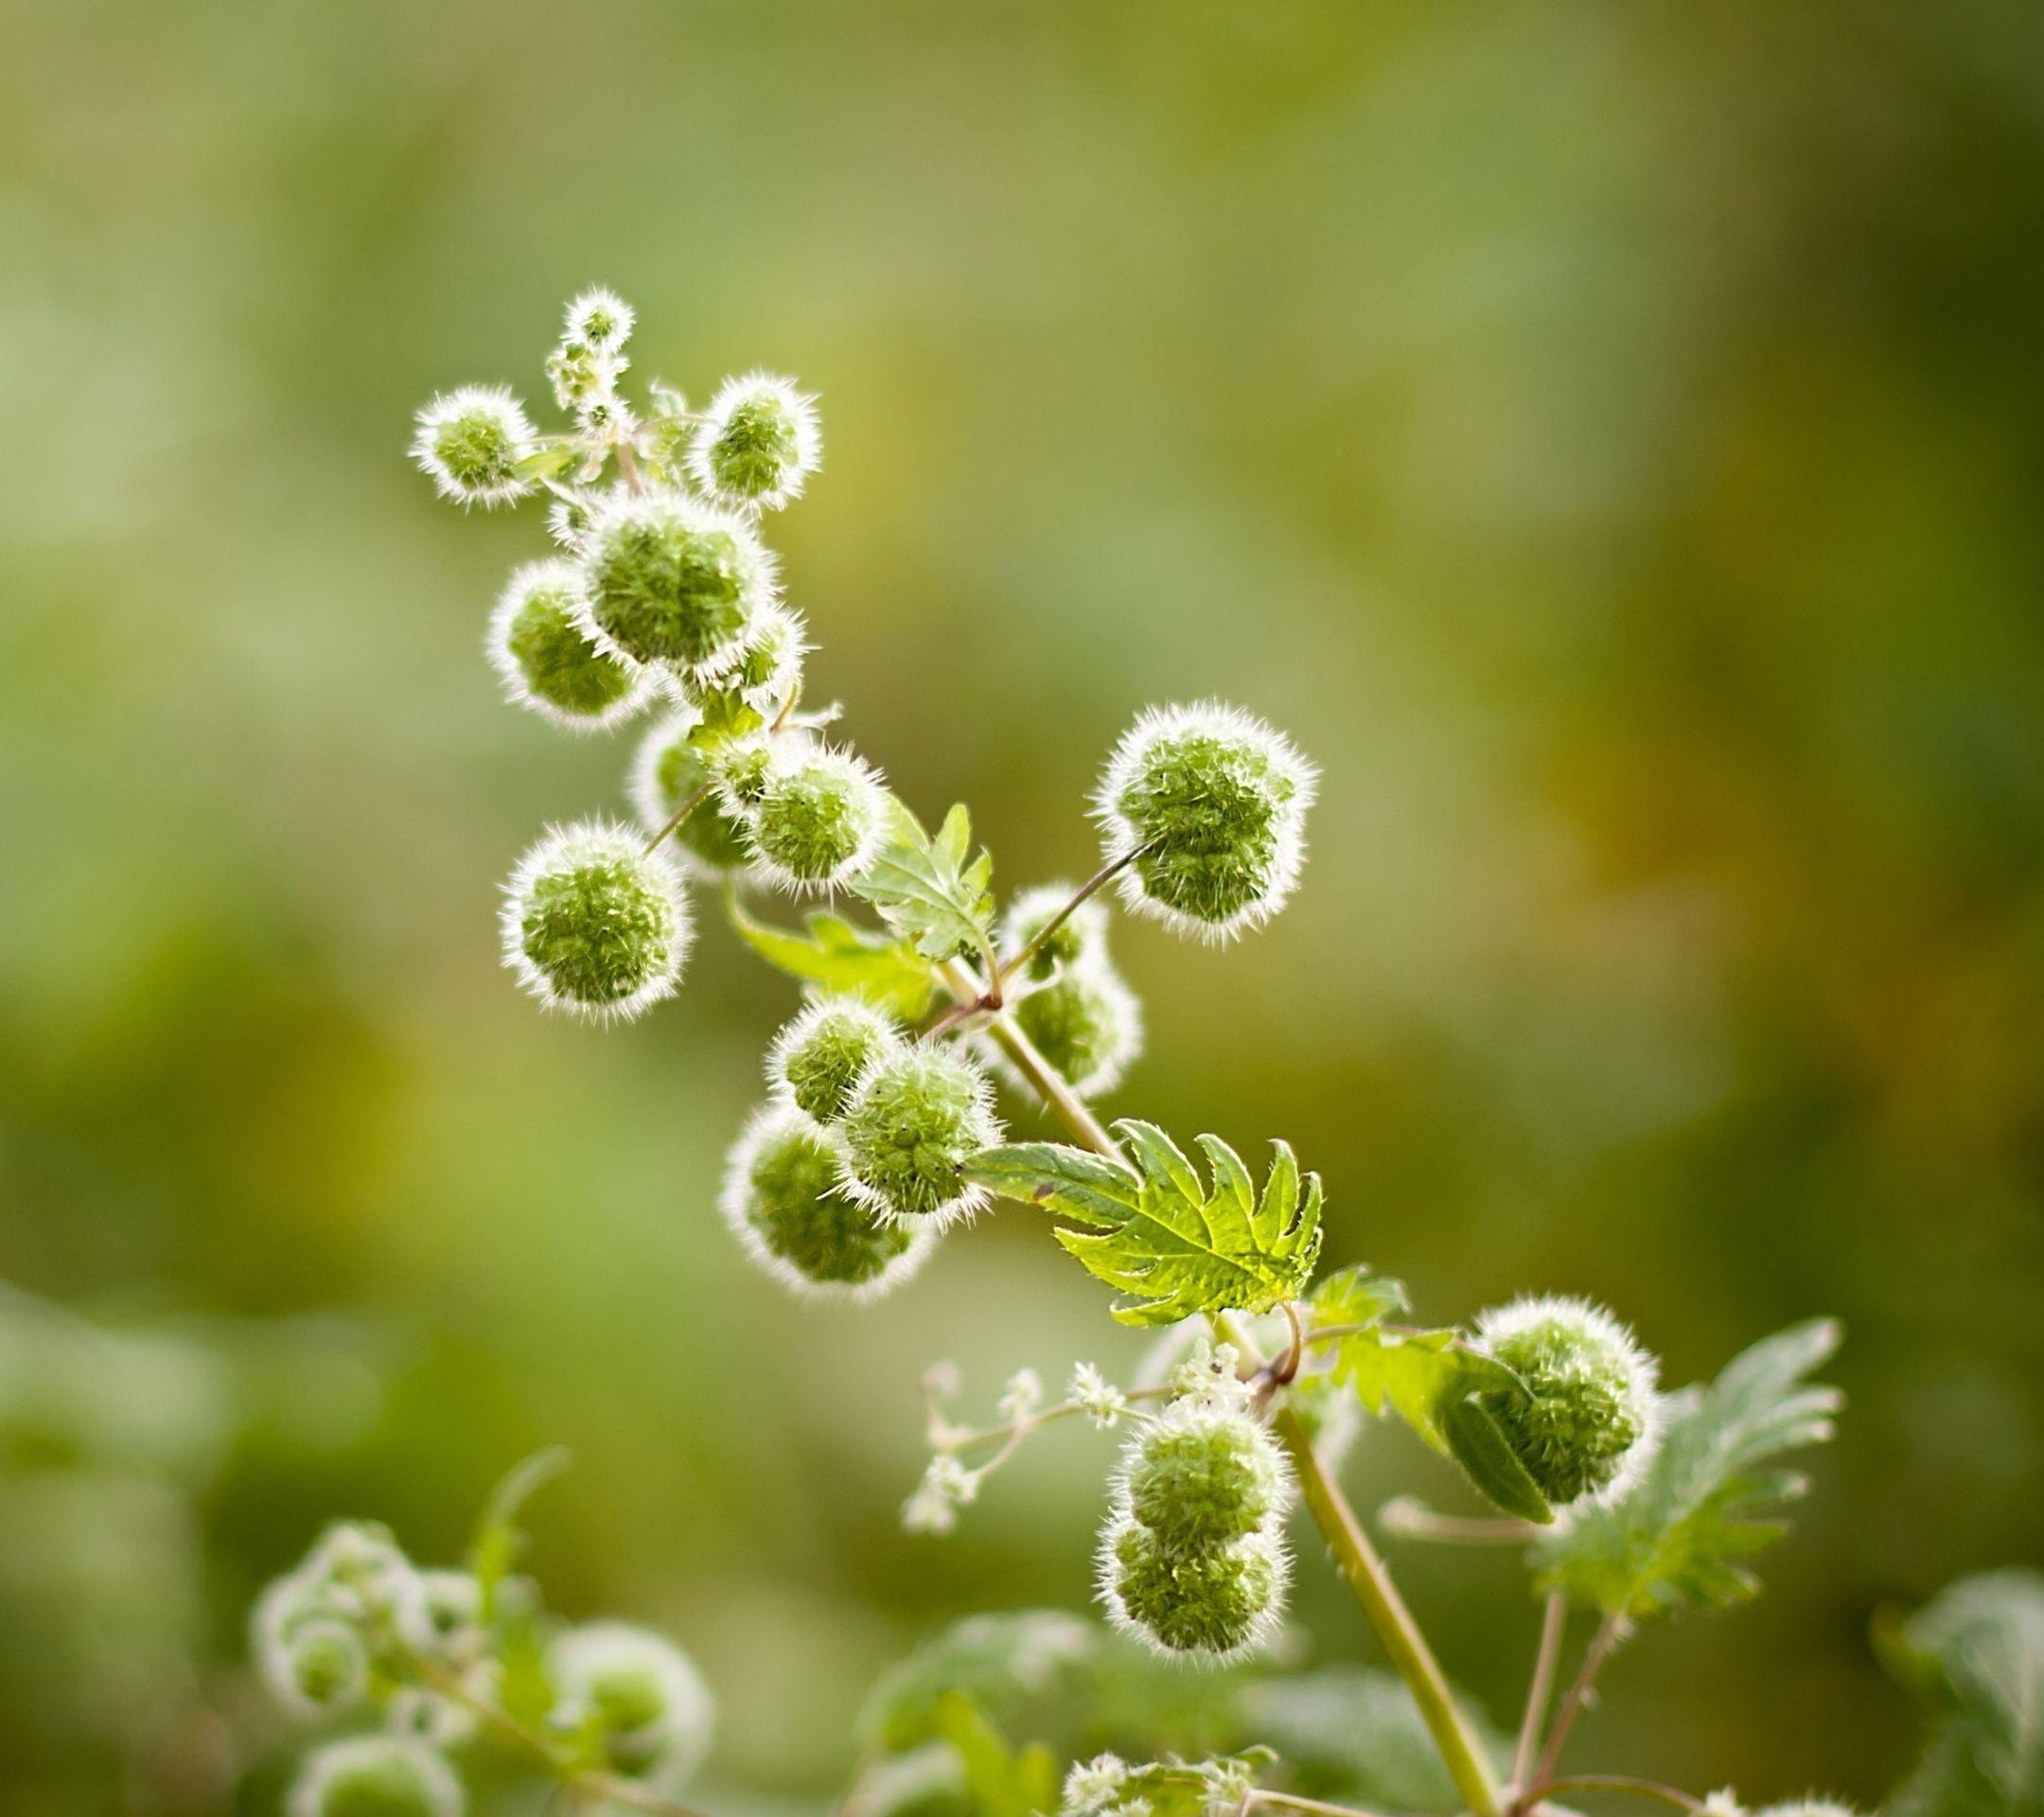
point(1710, 1497)
point(931, 892)
point(1026, 1669)
point(1976, 1655)
point(1427, 1379)
point(543, 463)
point(1000, 1781)
point(834, 953)
point(1157, 1235)
point(497, 1536)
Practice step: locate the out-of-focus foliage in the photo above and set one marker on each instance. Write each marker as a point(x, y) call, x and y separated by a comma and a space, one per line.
point(1606, 437)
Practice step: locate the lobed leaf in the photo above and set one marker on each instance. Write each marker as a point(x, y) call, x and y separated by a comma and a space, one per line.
point(836, 954)
point(931, 892)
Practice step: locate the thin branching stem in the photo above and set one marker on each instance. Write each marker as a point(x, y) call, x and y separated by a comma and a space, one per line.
point(1041, 937)
point(680, 814)
point(1540, 1692)
point(1621, 1782)
point(1611, 1633)
point(1408, 1518)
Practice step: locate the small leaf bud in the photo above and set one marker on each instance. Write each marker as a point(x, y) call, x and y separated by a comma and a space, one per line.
point(375, 1776)
point(1208, 1607)
point(1086, 1022)
point(671, 582)
point(1198, 1476)
point(537, 645)
point(816, 1059)
point(471, 441)
point(1083, 934)
point(1212, 802)
point(655, 1711)
point(594, 925)
point(672, 765)
point(1582, 1420)
point(817, 819)
point(917, 1115)
point(758, 443)
point(781, 1198)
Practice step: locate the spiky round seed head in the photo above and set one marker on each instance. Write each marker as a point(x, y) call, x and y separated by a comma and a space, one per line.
point(1582, 1418)
point(783, 1200)
point(766, 670)
point(1208, 1607)
point(569, 519)
point(1087, 1023)
point(671, 582)
point(816, 820)
point(601, 319)
point(816, 1059)
point(593, 923)
point(471, 441)
point(656, 1710)
point(916, 1115)
point(743, 767)
point(1214, 803)
point(1200, 1475)
point(454, 1605)
point(1811, 1807)
point(758, 444)
point(542, 652)
point(327, 1663)
point(1083, 934)
point(668, 770)
point(375, 1776)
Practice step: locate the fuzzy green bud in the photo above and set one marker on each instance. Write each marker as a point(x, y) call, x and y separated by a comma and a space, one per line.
point(594, 925)
point(600, 320)
point(916, 1115)
point(672, 583)
point(655, 1709)
point(375, 1776)
point(1209, 805)
point(1087, 1023)
point(673, 764)
point(1210, 1606)
point(1583, 1418)
point(1080, 936)
point(470, 442)
point(765, 673)
point(816, 1059)
point(758, 444)
point(783, 1200)
point(1203, 1475)
point(539, 649)
point(816, 820)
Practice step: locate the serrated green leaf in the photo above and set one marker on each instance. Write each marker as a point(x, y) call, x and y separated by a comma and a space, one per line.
point(1976, 1655)
point(1152, 1232)
point(930, 892)
point(1708, 1498)
point(834, 953)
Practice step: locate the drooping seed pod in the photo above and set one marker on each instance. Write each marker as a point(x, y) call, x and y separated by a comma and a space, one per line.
point(1086, 1022)
point(758, 444)
point(1081, 935)
point(916, 1115)
point(1208, 1607)
point(816, 1059)
point(1201, 1474)
point(1210, 804)
point(594, 925)
point(670, 769)
point(1583, 1418)
point(818, 819)
point(542, 653)
point(470, 442)
point(375, 1776)
point(783, 1201)
point(655, 1711)
point(672, 583)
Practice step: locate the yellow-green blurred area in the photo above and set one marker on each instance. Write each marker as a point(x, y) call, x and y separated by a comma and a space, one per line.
point(1609, 438)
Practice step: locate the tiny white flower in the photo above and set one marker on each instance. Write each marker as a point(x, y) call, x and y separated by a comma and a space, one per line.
point(1022, 1396)
point(1102, 1403)
point(1092, 1786)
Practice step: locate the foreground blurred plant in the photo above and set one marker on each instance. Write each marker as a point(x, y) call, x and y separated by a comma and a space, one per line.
point(880, 1135)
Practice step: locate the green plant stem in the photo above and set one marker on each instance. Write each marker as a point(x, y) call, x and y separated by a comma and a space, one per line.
point(680, 814)
point(1099, 880)
point(1615, 1782)
point(1609, 1635)
point(1354, 1557)
point(1553, 1624)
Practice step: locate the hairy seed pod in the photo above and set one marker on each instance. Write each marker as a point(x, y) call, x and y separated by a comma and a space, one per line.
point(1211, 803)
point(816, 1059)
point(672, 583)
point(594, 925)
point(758, 444)
point(310, 1642)
point(781, 1198)
point(762, 674)
point(600, 319)
point(1583, 1416)
point(1082, 936)
point(453, 1606)
point(916, 1115)
point(656, 1710)
point(1087, 1023)
point(540, 649)
point(375, 1776)
point(671, 767)
point(1206, 1606)
point(1200, 1475)
point(470, 442)
point(818, 819)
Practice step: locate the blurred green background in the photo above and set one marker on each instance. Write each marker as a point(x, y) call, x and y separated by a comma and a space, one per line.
point(1609, 438)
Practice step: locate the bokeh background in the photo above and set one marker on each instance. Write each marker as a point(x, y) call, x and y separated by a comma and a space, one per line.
point(1609, 438)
